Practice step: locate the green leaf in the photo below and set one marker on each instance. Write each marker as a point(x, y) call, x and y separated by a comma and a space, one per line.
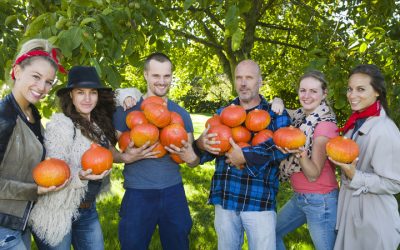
point(37, 24)
point(10, 20)
point(70, 40)
point(231, 20)
point(237, 39)
point(363, 47)
point(87, 20)
point(187, 4)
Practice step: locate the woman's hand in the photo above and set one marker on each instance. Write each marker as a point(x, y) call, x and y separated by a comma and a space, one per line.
point(129, 102)
point(277, 106)
point(298, 152)
point(43, 190)
point(87, 175)
point(348, 169)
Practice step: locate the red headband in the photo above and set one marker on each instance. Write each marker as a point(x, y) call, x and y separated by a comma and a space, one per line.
point(33, 53)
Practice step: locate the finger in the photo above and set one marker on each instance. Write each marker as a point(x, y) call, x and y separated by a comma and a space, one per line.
point(232, 142)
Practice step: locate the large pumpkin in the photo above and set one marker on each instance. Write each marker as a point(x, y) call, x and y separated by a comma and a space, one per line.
point(142, 133)
point(342, 149)
point(241, 134)
point(257, 120)
point(51, 172)
point(214, 120)
point(173, 134)
point(160, 148)
point(135, 118)
point(289, 137)
point(124, 140)
point(261, 137)
point(176, 119)
point(97, 158)
point(233, 115)
point(223, 134)
point(157, 114)
point(152, 99)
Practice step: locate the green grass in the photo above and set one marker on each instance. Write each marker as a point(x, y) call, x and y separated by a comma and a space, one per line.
point(197, 183)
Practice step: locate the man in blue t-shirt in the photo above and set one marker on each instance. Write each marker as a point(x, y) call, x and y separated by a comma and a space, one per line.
point(154, 191)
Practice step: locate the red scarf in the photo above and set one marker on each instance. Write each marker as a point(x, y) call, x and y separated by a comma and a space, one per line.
point(373, 110)
point(32, 53)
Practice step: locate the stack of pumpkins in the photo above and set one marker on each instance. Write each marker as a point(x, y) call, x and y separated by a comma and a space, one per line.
point(156, 124)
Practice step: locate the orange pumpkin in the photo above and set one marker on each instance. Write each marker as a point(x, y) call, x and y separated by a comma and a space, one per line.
point(176, 158)
point(161, 150)
point(97, 158)
point(152, 99)
point(257, 120)
point(241, 134)
point(223, 134)
point(124, 140)
point(173, 134)
point(233, 115)
point(342, 149)
point(157, 114)
point(289, 137)
point(261, 137)
point(135, 118)
point(51, 172)
point(214, 120)
point(142, 133)
point(176, 119)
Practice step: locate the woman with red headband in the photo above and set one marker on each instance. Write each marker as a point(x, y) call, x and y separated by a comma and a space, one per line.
point(368, 216)
point(21, 140)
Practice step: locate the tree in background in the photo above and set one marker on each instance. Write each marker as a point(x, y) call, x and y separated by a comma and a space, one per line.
point(206, 38)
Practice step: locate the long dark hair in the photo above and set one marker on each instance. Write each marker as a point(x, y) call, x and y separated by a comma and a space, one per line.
point(377, 82)
point(101, 115)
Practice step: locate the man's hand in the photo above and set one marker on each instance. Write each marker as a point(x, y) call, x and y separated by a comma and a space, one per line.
point(186, 152)
point(132, 154)
point(235, 155)
point(205, 142)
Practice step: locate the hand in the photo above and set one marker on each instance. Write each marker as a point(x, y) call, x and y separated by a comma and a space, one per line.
point(43, 190)
point(235, 155)
point(129, 102)
point(298, 152)
point(348, 169)
point(132, 154)
point(277, 105)
point(186, 152)
point(205, 142)
point(87, 175)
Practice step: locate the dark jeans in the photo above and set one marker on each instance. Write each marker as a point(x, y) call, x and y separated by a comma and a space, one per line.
point(143, 209)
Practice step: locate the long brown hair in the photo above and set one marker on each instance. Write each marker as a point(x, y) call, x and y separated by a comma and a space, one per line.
point(101, 115)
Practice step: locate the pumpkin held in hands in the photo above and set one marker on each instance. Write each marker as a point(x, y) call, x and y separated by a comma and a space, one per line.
point(257, 120)
point(142, 133)
point(233, 115)
point(157, 114)
point(342, 149)
point(97, 158)
point(223, 134)
point(124, 140)
point(241, 134)
point(261, 136)
point(135, 118)
point(173, 134)
point(289, 137)
point(51, 172)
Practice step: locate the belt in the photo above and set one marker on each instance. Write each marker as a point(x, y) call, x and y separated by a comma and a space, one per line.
point(86, 205)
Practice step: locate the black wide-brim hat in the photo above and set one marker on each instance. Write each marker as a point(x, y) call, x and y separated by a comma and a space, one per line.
point(82, 77)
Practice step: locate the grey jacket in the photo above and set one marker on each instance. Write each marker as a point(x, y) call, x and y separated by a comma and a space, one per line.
point(368, 216)
point(21, 151)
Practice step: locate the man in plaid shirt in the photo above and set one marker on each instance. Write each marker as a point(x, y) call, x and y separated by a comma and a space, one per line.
point(245, 199)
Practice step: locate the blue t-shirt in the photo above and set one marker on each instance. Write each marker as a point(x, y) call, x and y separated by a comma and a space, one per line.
point(156, 173)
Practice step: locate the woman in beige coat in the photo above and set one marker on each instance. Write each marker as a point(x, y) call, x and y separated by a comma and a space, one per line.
point(368, 216)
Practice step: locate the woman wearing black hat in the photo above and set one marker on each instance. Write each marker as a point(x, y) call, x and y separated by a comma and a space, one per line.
point(21, 140)
point(69, 216)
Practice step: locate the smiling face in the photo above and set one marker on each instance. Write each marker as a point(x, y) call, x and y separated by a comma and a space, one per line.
point(310, 94)
point(158, 76)
point(84, 100)
point(33, 81)
point(248, 82)
point(360, 92)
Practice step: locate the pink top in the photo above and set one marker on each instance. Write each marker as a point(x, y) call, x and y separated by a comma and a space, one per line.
point(327, 180)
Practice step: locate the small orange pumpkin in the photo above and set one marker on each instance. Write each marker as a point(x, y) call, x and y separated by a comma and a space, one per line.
point(142, 133)
point(261, 137)
point(241, 134)
point(124, 140)
point(157, 114)
point(135, 118)
point(152, 99)
point(289, 137)
point(51, 172)
point(233, 115)
point(214, 120)
point(257, 120)
point(176, 119)
point(223, 134)
point(161, 150)
point(342, 149)
point(97, 158)
point(173, 134)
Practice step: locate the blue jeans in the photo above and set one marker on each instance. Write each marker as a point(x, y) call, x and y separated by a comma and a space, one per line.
point(143, 209)
point(85, 234)
point(259, 226)
point(317, 210)
point(14, 239)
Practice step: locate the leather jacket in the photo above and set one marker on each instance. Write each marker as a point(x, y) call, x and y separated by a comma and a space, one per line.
point(20, 151)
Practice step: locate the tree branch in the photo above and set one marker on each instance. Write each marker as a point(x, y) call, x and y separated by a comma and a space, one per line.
point(278, 42)
point(273, 26)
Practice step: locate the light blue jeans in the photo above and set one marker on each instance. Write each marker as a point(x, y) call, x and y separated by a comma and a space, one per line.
point(259, 226)
point(14, 239)
point(317, 210)
point(86, 233)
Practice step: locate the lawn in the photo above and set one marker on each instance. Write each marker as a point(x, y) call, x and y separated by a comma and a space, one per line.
point(197, 183)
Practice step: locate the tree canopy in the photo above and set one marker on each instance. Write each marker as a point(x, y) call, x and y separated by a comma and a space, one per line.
point(206, 39)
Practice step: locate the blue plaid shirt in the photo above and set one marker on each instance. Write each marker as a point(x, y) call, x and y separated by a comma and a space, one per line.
point(255, 187)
